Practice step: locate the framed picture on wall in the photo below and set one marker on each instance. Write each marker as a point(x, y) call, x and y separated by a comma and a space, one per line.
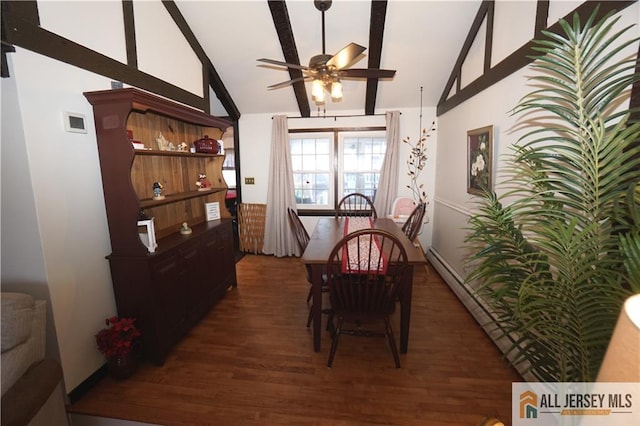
point(479, 160)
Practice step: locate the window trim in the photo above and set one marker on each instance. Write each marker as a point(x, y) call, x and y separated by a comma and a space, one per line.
point(335, 134)
point(332, 166)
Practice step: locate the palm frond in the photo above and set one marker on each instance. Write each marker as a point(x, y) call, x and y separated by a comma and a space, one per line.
point(555, 264)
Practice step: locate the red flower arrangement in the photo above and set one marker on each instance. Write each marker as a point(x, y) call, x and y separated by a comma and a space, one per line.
point(118, 339)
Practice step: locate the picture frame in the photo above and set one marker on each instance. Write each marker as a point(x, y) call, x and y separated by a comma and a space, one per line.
point(480, 160)
point(212, 210)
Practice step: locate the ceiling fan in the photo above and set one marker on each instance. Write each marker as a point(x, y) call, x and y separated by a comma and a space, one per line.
point(326, 70)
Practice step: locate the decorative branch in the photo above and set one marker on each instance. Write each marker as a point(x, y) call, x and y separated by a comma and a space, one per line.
point(416, 162)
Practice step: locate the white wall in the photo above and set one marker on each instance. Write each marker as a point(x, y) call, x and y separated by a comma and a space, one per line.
point(255, 149)
point(54, 228)
point(22, 256)
point(453, 206)
point(69, 208)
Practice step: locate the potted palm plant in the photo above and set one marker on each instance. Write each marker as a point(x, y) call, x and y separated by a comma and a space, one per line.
point(555, 255)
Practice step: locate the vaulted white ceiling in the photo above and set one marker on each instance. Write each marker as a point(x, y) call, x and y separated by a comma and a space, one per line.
point(422, 40)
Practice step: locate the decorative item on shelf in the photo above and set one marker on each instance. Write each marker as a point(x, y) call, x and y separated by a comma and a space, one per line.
point(157, 191)
point(182, 147)
point(206, 145)
point(185, 230)
point(163, 143)
point(212, 210)
point(203, 183)
point(147, 232)
point(135, 142)
point(117, 343)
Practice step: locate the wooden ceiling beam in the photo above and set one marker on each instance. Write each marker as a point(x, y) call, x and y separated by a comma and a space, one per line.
point(282, 24)
point(211, 78)
point(376, 33)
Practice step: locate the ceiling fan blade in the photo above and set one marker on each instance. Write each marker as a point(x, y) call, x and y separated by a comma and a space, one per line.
point(283, 64)
point(366, 73)
point(347, 55)
point(288, 82)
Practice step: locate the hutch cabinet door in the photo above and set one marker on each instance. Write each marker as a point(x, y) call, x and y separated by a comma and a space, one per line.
point(170, 303)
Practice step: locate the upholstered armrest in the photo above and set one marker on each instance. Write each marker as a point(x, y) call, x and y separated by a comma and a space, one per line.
point(25, 398)
point(23, 328)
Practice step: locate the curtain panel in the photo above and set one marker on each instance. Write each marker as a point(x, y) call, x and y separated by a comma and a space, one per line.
point(278, 237)
point(388, 184)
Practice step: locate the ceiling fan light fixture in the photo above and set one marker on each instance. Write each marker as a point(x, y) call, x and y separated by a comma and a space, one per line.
point(317, 91)
point(325, 70)
point(336, 91)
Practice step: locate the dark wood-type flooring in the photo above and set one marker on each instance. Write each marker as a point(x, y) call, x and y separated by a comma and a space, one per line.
point(251, 362)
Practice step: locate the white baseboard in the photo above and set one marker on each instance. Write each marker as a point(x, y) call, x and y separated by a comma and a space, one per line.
point(477, 309)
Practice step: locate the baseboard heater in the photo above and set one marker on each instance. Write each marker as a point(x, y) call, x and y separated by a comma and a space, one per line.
point(477, 308)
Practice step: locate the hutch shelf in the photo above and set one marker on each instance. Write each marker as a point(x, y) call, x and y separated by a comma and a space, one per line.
point(170, 289)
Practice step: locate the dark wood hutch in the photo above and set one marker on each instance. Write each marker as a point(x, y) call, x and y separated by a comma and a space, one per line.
point(170, 289)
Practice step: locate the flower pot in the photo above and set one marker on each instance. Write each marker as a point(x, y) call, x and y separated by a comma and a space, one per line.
point(122, 366)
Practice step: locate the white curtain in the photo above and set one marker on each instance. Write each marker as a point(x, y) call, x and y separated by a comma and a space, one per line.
point(278, 238)
point(388, 184)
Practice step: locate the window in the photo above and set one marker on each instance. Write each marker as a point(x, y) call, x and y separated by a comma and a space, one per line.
point(311, 161)
point(361, 159)
point(330, 165)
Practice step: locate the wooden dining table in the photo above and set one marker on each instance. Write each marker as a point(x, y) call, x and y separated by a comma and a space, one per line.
point(327, 233)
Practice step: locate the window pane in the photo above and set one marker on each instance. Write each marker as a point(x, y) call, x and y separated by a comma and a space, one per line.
point(358, 166)
point(323, 162)
point(350, 147)
point(308, 162)
point(296, 146)
point(312, 167)
point(361, 163)
point(296, 162)
point(350, 162)
point(323, 146)
point(309, 146)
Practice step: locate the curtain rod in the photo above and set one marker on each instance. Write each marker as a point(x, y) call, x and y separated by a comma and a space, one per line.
point(335, 117)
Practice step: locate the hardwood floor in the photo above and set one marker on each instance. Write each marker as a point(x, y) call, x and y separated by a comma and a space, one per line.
point(251, 362)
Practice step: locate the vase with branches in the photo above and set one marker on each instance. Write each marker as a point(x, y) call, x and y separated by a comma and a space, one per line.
point(418, 159)
point(416, 162)
point(556, 254)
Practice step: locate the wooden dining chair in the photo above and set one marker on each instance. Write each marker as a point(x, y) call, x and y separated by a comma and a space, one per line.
point(356, 204)
point(413, 224)
point(364, 273)
point(302, 237)
point(299, 231)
